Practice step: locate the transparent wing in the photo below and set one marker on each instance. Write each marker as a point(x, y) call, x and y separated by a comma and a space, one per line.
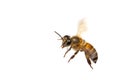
point(81, 27)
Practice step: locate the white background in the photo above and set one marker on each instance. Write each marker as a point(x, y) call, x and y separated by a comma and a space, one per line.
point(29, 49)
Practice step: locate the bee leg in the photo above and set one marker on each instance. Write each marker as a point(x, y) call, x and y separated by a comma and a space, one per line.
point(67, 51)
point(88, 60)
point(73, 55)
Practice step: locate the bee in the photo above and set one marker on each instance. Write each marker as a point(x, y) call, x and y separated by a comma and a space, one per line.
point(79, 44)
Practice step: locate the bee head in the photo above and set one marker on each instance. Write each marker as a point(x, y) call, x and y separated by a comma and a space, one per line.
point(66, 40)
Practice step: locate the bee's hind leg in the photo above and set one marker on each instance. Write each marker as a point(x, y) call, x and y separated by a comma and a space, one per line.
point(88, 60)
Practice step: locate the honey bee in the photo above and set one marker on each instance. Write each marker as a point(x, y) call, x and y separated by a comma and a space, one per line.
point(79, 44)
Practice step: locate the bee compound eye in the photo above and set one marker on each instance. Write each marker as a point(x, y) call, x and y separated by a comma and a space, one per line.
point(68, 42)
point(67, 36)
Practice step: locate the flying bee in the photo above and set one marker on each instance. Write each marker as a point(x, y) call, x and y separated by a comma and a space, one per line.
point(79, 44)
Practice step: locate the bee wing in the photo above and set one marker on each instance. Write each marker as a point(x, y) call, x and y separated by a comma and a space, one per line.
point(81, 27)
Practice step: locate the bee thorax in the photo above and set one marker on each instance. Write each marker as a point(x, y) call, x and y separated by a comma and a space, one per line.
point(77, 43)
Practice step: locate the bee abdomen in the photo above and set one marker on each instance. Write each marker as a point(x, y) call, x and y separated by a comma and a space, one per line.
point(91, 52)
point(94, 56)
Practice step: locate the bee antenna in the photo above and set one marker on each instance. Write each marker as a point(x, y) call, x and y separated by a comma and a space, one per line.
point(59, 35)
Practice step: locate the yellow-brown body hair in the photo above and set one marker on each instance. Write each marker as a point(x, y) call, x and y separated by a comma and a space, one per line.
point(78, 43)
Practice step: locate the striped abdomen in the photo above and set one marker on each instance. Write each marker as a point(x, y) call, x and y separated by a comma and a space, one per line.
point(91, 52)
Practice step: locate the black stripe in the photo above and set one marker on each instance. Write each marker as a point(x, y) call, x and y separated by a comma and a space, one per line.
point(95, 59)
